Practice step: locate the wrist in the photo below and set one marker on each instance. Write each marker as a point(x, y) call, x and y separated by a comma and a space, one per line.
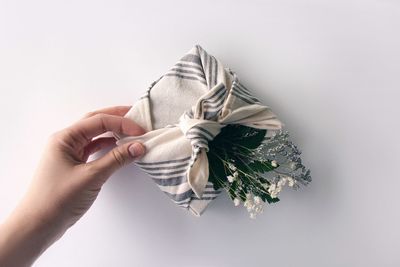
point(25, 235)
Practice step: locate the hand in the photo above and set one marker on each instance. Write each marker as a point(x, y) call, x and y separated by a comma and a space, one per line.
point(65, 185)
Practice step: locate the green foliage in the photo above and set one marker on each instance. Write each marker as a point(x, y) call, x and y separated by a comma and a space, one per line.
point(261, 166)
point(217, 172)
point(232, 151)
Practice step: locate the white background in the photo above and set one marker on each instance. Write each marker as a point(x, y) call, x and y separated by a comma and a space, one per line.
point(329, 69)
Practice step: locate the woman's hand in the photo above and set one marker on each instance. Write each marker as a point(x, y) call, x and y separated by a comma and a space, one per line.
point(65, 185)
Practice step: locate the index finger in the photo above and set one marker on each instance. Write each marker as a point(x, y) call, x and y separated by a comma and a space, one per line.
point(116, 110)
point(100, 123)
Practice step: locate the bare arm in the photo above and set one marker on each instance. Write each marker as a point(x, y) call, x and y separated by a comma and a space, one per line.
point(65, 185)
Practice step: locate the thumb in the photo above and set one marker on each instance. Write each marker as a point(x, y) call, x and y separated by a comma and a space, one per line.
point(119, 157)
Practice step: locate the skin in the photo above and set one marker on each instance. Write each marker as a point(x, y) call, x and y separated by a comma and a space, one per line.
point(65, 184)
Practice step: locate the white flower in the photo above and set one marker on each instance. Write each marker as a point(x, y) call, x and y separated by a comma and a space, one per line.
point(249, 208)
point(272, 188)
point(257, 200)
point(274, 164)
point(231, 166)
point(236, 201)
point(291, 181)
point(253, 204)
point(281, 182)
point(235, 174)
point(248, 203)
point(230, 178)
point(259, 209)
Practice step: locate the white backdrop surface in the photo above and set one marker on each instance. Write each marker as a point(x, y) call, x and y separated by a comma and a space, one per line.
point(329, 69)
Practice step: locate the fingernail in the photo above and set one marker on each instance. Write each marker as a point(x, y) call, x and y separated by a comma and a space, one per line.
point(136, 150)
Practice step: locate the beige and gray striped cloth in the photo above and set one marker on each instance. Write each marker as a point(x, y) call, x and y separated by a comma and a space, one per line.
point(181, 112)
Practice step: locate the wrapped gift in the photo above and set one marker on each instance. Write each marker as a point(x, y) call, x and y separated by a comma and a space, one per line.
point(206, 133)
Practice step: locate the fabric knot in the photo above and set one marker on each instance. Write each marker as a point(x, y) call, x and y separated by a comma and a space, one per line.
point(199, 131)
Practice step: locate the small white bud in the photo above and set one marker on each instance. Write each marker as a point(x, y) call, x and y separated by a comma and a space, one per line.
point(259, 209)
point(274, 164)
point(281, 182)
point(236, 201)
point(257, 200)
point(272, 187)
point(274, 194)
point(232, 167)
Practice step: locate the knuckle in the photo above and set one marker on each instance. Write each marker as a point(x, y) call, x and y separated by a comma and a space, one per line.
point(95, 114)
point(56, 137)
point(89, 114)
point(99, 116)
point(64, 137)
point(118, 156)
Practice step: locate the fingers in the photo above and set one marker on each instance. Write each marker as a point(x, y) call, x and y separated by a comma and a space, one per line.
point(117, 158)
point(96, 145)
point(100, 123)
point(117, 111)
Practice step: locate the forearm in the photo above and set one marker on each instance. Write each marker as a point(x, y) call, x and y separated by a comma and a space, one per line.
point(65, 184)
point(24, 236)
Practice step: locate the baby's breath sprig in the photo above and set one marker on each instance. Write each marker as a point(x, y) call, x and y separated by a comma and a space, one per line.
point(253, 168)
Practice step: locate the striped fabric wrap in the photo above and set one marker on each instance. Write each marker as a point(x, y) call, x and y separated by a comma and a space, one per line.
point(181, 112)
